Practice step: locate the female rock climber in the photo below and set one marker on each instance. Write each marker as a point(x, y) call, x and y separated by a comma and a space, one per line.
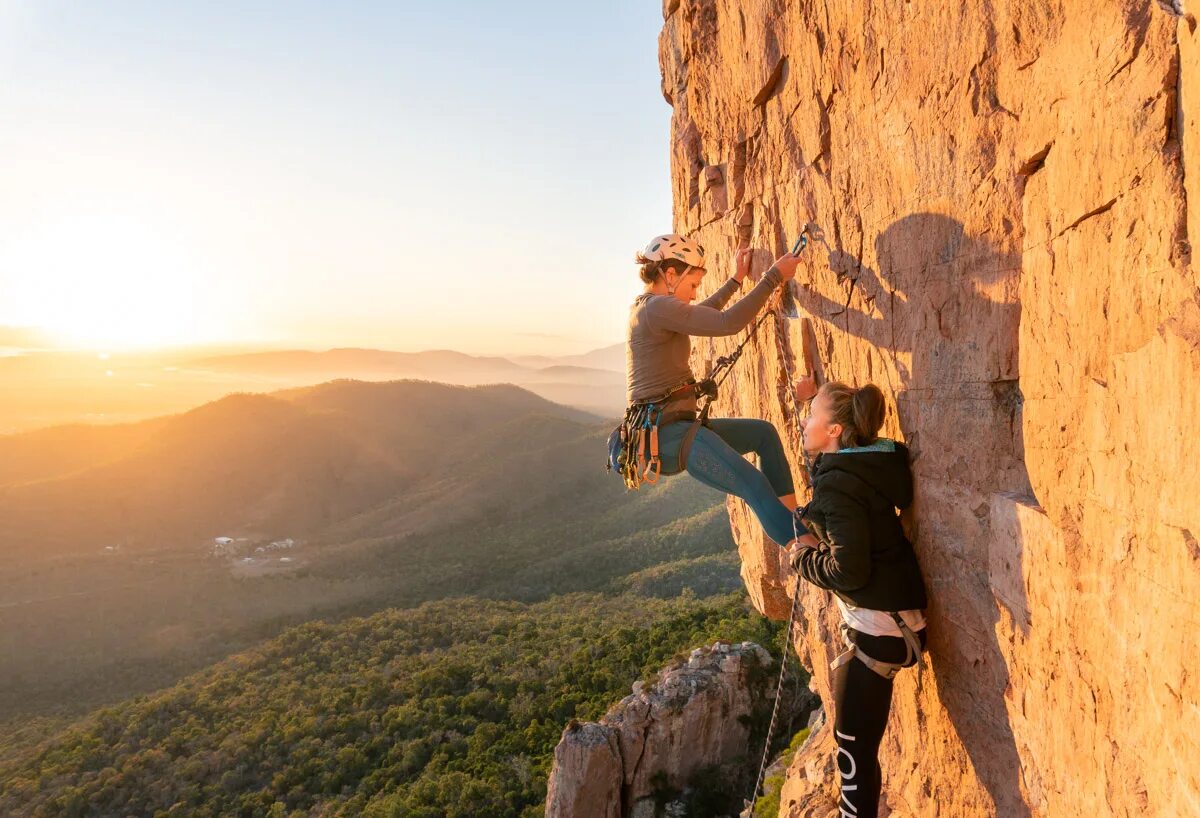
point(859, 480)
point(661, 323)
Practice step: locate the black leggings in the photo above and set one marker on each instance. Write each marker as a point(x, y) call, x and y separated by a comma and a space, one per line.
point(862, 700)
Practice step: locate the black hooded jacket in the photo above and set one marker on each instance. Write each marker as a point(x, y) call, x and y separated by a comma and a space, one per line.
point(864, 556)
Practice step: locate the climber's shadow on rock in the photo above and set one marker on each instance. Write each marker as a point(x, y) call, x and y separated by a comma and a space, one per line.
point(941, 307)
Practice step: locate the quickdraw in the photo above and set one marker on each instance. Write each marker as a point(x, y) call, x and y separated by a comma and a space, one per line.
point(636, 452)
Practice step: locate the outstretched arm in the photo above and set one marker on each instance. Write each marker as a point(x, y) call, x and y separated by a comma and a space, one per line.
point(721, 297)
point(676, 316)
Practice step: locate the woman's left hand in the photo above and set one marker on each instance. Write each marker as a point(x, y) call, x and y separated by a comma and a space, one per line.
point(742, 264)
point(798, 547)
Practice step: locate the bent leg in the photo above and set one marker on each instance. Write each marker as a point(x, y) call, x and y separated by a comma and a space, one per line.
point(713, 462)
point(745, 435)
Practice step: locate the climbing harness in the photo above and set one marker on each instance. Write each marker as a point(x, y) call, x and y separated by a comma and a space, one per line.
point(887, 670)
point(633, 446)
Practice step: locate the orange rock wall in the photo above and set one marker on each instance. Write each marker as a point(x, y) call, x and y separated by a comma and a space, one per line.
point(1003, 195)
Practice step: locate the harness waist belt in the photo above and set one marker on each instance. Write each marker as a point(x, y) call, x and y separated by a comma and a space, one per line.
point(689, 388)
point(887, 670)
point(675, 417)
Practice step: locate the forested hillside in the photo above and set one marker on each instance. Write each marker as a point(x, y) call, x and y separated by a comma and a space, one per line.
point(449, 709)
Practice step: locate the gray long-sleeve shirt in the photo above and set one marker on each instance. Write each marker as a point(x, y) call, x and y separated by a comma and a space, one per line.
point(660, 329)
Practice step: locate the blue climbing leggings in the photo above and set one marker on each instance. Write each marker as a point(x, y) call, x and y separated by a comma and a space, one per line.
point(716, 460)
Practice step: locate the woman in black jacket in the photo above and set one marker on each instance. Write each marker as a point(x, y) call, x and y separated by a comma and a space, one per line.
point(859, 482)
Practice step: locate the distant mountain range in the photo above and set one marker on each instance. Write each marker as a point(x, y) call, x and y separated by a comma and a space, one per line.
point(434, 363)
point(294, 463)
point(594, 381)
point(54, 387)
point(610, 357)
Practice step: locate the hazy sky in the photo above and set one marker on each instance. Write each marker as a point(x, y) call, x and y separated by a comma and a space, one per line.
point(404, 175)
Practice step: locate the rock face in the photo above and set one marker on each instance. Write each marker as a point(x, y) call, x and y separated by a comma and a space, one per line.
point(1002, 195)
point(690, 729)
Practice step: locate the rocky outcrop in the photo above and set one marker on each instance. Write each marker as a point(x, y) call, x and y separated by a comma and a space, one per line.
point(686, 734)
point(588, 773)
point(1003, 195)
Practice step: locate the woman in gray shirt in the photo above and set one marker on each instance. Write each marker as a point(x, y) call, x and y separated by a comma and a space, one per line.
point(661, 323)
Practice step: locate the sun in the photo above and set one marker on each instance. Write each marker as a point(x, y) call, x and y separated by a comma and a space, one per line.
point(105, 282)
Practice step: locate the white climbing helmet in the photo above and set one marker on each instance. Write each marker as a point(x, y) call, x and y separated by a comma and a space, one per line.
point(673, 245)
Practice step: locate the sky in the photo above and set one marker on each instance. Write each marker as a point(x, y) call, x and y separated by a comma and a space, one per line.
point(403, 175)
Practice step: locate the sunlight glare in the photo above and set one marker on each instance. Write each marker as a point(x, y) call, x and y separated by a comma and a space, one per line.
point(104, 282)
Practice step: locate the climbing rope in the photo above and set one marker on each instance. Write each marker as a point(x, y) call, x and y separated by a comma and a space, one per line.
point(789, 369)
point(787, 649)
point(641, 422)
point(790, 375)
point(783, 661)
point(724, 365)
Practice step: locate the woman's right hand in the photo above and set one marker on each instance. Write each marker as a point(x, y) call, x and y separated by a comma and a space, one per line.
point(805, 388)
point(786, 265)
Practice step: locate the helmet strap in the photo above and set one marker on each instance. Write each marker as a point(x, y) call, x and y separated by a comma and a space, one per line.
point(682, 276)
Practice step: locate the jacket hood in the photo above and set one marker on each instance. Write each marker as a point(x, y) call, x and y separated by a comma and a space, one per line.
point(883, 466)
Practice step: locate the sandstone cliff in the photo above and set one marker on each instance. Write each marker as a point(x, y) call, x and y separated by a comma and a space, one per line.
point(1003, 194)
point(681, 745)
